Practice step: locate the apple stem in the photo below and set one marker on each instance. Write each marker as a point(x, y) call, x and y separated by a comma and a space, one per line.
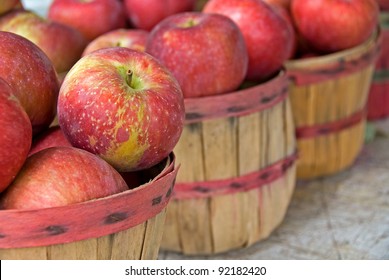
point(129, 78)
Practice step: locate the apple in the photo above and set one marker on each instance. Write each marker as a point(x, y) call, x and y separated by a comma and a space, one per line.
point(205, 52)
point(267, 34)
point(7, 5)
point(334, 25)
point(28, 70)
point(60, 176)
point(15, 136)
point(127, 38)
point(61, 43)
point(285, 14)
point(147, 13)
point(122, 105)
point(51, 137)
point(91, 17)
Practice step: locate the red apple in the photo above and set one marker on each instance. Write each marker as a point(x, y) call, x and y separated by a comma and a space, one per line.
point(334, 25)
point(7, 5)
point(15, 136)
point(128, 38)
point(206, 52)
point(122, 105)
point(60, 176)
point(147, 13)
point(51, 137)
point(27, 69)
point(268, 36)
point(285, 14)
point(92, 17)
point(61, 43)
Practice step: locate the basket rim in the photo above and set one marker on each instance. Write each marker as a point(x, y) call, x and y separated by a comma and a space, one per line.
point(241, 102)
point(319, 61)
point(88, 219)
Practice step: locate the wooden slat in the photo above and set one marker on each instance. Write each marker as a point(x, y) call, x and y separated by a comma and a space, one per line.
point(153, 236)
point(128, 244)
point(34, 253)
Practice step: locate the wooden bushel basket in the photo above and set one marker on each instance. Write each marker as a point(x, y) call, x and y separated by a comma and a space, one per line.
point(126, 225)
point(237, 174)
point(378, 102)
point(329, 97)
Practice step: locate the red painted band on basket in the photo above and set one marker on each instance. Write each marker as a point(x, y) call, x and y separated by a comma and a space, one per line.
point(311, 131)
point(90, 219)
point(243, 183)
point(238, 103)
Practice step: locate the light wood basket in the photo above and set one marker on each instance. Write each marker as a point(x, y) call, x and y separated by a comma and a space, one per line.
point(378, 102)
point(328, 96)
point(127, 225)
point(237, 172)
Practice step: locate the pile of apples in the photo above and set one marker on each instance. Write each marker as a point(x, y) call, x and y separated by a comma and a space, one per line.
point(116, 73)
point(119, 111)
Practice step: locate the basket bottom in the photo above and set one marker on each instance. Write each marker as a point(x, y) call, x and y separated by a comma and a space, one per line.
point(222, 223)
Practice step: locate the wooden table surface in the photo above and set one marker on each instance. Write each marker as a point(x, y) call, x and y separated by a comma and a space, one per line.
point(345, 216)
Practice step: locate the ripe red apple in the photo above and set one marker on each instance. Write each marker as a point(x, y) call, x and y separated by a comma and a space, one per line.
point(122, 105)
point(285, 14)
point(61, 43)
point(7, 5)
point(27, 69)
point(334, 25)
point(128, 38)
point(146, 14)
point(92, 17)
point(51, 137)
point(15, 136)
point(206, 52)
point(60, 176)
point(267, 34)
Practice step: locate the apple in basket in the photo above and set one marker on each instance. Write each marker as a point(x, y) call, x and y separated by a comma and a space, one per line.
point(92, 18)
point(61, 176)
point(122, 105)
point(267, 34)
point(51, 137)
point(285, 14)
point(127, 38)
point(146, 14)
point(61, 43)
point(333, 25)
point(206, 52)
point(15, 136)
point(28, 70)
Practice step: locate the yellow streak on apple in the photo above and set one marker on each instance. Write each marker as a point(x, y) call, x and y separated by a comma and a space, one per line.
point(130, 152)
